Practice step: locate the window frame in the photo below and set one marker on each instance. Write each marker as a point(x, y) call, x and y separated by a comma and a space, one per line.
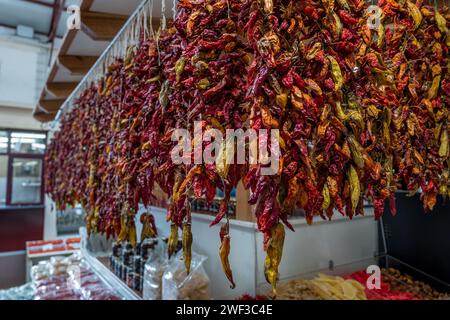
point(10, 160)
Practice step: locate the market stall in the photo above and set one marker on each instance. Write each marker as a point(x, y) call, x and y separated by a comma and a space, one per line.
point(346, 106)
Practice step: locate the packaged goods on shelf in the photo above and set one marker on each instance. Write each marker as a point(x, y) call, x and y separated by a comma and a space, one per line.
point(129, 263)
point(62, 246)
point(360, 113)
point(25, 292)
point(178, 285)
point(69, 278)
point(155, 266)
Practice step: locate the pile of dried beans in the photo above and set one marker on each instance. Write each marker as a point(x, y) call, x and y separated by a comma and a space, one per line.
point(362, 112)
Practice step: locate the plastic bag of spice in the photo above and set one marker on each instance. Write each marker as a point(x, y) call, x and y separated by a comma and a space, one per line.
point(153, 272)
point(178, 285)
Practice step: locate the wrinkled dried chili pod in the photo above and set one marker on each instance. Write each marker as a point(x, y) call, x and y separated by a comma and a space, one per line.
point(355, 188)
point(225, 252)
point(187, 246)
point(148, 226)
point(173, 240)
point(274, 255)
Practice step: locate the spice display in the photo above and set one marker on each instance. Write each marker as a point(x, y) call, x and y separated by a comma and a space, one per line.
point(337, 288)
point(394, 286)
point(385, 292)
point(361, 113)
point(296, 290)
point(405, 283)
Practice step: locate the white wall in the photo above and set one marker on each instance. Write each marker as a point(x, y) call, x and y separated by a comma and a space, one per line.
point(308, 249)
point(18, 118)
point(50, 230)
point(22, 71)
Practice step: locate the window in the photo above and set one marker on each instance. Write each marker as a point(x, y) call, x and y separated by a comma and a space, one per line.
point(28, 143)
point(3, 179)
point(4, 142)
point(26, 181)
point(21, 167)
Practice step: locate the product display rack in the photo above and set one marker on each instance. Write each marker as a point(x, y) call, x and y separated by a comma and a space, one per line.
point(384, 261)
point(244, 225)
point(105, 274)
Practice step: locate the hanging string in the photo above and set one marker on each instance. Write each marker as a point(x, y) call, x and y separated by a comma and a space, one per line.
point(145, 25)
point(151, 19)
point(174, 9)
point(129, 34)
point(163, 14)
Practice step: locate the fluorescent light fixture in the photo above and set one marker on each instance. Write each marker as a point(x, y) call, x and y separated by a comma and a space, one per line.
point(28, 135)
point(23, 140)
point(38, 146)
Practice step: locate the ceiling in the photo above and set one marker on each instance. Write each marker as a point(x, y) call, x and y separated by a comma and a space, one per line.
point(101, 20)
point(46, 17)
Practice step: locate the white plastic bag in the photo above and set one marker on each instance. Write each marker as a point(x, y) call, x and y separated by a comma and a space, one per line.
point(178, 285)
point(153, 272)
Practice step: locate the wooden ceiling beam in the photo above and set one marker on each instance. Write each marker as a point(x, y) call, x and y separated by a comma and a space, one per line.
point(51, 105)
point(61, 89)
point(77, 65)
point(101, 26)
point(44, 117)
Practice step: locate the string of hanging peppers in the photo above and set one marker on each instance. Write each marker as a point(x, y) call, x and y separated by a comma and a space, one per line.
point(362, 112)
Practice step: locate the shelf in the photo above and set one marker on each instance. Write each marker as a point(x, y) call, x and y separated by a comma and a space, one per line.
point(108, 277)
point(52, 254)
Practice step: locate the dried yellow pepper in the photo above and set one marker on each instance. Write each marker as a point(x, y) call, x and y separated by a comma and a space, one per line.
point(225, 252)
point(326, 197)
point(203, 84)
point(432, 92)
point(274, 254)
point(357, 151)
point(179, 68)
point(443, 149)
point(336, 73)
point(173, 240)
point(355, 187)
point(187, 246)
point(415, 13)
point(441, 22)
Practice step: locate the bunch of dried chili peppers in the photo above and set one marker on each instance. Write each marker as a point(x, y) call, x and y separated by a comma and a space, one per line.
point(362, 111)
